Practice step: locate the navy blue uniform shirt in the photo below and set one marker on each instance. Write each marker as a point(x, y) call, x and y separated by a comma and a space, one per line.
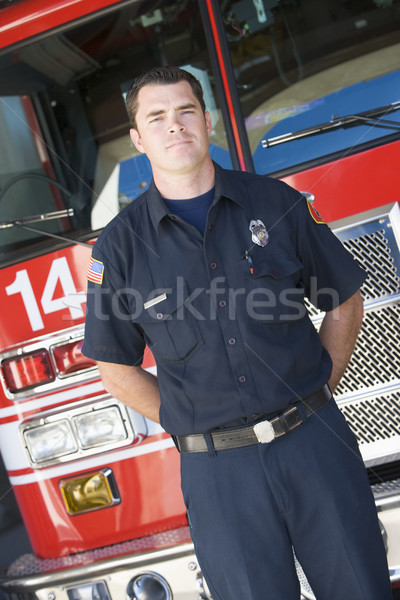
point(223, 316)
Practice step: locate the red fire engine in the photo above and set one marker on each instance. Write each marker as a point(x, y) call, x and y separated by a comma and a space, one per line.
point(303, 90)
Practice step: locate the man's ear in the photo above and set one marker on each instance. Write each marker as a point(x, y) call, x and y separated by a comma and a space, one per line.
point(135, 137)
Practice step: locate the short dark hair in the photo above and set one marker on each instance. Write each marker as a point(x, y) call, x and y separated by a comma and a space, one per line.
point(163, 76)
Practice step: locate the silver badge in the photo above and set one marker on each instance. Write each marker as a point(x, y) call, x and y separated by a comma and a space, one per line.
point(259, 233)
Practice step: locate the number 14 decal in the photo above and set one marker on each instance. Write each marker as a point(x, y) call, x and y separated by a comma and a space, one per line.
point(59, 272)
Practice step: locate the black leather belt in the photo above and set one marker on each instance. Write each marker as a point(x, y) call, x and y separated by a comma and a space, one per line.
point(263, 432)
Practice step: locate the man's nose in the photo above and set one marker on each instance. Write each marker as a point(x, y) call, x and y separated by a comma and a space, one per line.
point(175, 124)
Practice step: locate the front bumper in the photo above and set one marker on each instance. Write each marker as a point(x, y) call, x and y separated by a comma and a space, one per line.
point(177, 565)
point(387, 500)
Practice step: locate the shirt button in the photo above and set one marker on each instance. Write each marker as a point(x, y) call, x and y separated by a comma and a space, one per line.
point(242, 379)
point(210, 227)
point(160, 315)
point(213, 265)
point(222, 303)
point(232, 341)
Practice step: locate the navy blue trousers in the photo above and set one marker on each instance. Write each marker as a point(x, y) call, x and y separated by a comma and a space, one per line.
point(308, 490)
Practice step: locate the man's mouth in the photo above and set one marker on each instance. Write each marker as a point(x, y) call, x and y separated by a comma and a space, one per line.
point(178, 143)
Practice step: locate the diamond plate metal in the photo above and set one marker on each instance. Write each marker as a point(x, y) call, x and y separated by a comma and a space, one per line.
point(29, 564)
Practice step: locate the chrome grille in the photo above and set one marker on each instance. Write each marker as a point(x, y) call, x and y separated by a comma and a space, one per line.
point(373, 252)
point(374, 247)
point(376, 358)
point(374, 419)
point(369, 393)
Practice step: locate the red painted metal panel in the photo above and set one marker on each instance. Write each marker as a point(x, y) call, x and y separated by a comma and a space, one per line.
point(28, 18)
point(352, 184)
point(151, 502)
point(47, 294)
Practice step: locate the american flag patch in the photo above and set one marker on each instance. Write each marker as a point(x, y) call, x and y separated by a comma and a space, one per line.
point(96, 270)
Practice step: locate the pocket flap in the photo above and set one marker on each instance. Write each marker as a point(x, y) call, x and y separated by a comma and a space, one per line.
point(277, 267)
point(162, 303)
point(170, 328)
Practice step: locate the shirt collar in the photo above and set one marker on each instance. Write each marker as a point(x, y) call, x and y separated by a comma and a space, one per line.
point(156, 205)
point(224, 187)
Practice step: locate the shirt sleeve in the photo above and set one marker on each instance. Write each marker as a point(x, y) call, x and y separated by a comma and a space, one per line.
point(110, 333)
point(330, 274)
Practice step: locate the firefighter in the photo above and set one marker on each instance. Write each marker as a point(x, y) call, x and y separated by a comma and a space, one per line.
point(209, 268)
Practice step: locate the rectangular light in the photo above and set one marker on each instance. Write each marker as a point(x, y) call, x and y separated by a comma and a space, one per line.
point(27, 371)
point(69, 358)
point(50, 441)
point(99, 427)
point(78, 430)
point(89, 492)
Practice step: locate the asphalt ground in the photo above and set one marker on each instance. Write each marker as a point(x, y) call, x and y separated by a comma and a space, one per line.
point(13, 543)
point(14, 540)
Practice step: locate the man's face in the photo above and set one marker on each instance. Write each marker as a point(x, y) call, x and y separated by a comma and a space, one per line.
point(171, 128)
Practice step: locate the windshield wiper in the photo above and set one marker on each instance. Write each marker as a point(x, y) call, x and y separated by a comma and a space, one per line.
point(58, 214)
point(368, 116)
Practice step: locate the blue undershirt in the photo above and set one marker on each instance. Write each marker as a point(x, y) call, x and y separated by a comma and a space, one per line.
point(192, 210)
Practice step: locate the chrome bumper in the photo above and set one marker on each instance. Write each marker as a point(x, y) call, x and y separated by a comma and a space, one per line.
point(387, 500)
point(177, 566)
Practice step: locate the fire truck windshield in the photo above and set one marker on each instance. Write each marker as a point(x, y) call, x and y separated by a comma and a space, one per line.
point(63, 118)
point(64, 128)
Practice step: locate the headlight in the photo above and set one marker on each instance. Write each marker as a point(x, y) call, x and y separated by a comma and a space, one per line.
point(100, 427)
point(149, 586)
point(50, 441)
point(79, 430)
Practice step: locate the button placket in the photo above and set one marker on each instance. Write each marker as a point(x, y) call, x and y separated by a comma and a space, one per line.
point(228, 326)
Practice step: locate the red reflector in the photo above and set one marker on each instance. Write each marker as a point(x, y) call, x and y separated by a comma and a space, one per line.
point(27, 371)
point(69, 358)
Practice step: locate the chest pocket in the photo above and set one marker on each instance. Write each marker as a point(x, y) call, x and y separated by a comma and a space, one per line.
point(170, 324)
point(274, 291)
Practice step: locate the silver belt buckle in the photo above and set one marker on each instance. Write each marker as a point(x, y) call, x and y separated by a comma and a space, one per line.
point(264, 432)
